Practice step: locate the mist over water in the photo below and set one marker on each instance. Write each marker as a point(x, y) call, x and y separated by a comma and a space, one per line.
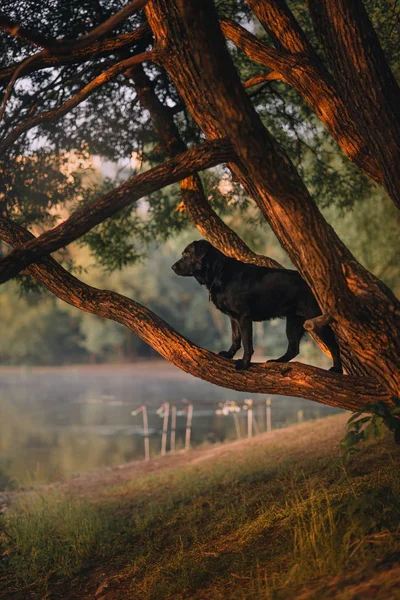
point(57, 422)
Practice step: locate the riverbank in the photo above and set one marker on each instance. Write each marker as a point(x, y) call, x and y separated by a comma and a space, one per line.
point(275, 517)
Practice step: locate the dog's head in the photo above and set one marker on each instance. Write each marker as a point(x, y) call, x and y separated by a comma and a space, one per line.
point(193, 258)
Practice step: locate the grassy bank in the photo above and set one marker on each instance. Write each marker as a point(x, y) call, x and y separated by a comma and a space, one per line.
point(277, 518)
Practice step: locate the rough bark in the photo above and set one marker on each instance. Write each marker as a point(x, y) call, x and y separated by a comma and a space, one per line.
point(365, 311)
point(98, 49)
point(76, 99)
point(203, 156)
point(195, 202)
point(364, 79)
point(300, 67)
point(293, 379)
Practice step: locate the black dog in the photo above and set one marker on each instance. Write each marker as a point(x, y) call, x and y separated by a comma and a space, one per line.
point(248, 293)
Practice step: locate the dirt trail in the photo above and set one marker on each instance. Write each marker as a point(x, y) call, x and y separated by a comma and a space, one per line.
point(306, 439)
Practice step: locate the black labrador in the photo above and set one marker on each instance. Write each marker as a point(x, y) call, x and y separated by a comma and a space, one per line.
point(248, 293)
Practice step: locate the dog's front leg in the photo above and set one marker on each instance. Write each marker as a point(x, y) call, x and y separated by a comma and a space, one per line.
point(246, 330)
point(236, 340)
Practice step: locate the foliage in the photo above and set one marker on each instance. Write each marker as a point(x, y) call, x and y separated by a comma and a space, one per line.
point(365, 428)
point(112, 124)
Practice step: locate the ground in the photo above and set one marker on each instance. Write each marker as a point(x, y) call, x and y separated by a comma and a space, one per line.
point(275, 517)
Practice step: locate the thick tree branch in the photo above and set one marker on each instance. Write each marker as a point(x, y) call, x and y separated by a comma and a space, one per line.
point(63, 45)
point(291, 379)
point(364, 79)
point(44, 60)
point(300, 67)
point(72, 102)
point(200, 157)
point(196, 57)
point(195, 202)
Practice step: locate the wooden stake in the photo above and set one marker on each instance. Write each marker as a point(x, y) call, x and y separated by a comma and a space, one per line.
point(188, 426)
point(268, 414)
point(146, 434)
point(249, 422)
point(173, 428)
point(165, 429)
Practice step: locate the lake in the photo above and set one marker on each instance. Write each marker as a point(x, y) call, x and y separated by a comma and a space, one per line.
point(56, 422)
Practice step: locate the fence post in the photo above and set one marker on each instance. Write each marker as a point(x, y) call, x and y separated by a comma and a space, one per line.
point(188, 426)
point(173, 427)
point(268, 414)
point(248, 404)
point(165, 406)
point(143, 409)
point(300, 415)
point(146, 434)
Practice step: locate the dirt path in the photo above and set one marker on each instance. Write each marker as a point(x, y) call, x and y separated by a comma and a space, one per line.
point(311, 438)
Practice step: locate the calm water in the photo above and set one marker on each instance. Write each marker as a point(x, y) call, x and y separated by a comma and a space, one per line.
point(60, 421)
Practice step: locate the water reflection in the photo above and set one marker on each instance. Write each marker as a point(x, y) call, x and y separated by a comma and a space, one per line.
point(61, 421)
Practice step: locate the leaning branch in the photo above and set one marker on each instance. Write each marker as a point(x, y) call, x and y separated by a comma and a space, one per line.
point(301, 68)
point(98, 49)
point(203, 156)
point(205, 219)
point(72, 102)
point(290, 379)
point(65, 45)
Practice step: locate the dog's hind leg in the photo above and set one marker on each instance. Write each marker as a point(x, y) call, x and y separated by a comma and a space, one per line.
point(294, 333)
point(236, 340)
point(246, 330)
point(329, 339)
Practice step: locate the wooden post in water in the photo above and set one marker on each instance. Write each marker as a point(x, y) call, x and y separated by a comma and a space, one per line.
point(188, 426)
point(146, 434)
point(143, 409)
point(249, 404)
point(165, 429)
point(268, 414)
point(173, 428)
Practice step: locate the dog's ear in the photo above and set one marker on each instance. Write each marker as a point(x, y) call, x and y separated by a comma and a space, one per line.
point(201, 248)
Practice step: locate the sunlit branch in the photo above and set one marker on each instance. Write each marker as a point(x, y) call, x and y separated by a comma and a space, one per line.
point(262, 78)
point(290, 379)
point(203, 156)
point(72, 102)
point(44, 59)
point(64, 45)
point(301, 68)
point(254, 48)
point(195, 203)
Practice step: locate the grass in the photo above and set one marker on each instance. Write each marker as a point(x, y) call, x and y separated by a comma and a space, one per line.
point(276, 518)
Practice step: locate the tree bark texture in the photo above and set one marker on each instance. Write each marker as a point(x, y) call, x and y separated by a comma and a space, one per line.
point(364, 80)
point(203, 156)
point(358, 101)
point(366, 314)
point(295, 379)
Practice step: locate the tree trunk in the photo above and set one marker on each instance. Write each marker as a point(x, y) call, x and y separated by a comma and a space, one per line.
point(366, 314)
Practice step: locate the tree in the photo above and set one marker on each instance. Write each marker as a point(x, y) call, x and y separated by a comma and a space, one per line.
point(192, 90)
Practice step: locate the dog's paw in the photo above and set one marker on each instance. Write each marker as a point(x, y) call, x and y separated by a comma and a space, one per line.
point(241, 365)
point(225, 354)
